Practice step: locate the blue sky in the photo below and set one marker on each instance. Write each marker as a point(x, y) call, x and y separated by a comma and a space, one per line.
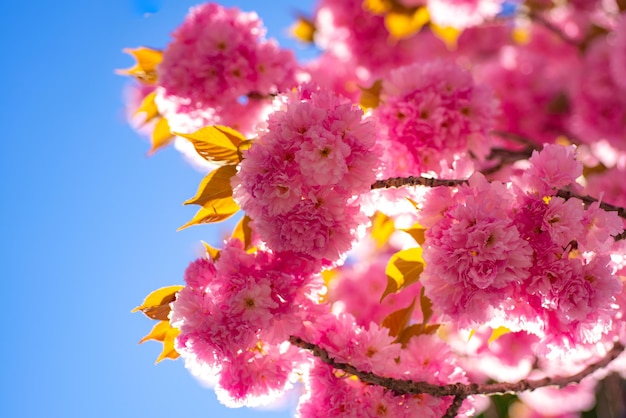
point(89, 221)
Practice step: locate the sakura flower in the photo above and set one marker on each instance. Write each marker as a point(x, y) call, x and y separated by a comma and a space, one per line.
point(219, 56)
point(552, 168)
point(436, 111)
point(301, 178)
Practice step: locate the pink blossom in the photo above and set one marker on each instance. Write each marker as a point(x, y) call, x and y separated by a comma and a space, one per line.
point(436, 111)
point(300, 179)
point(618, 52)
point(474, 255)
point(563, 220)
point(552, 168)
point(218, 56)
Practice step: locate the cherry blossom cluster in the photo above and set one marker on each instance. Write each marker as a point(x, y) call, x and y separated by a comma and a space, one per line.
point(301, 179)
point(433, 204)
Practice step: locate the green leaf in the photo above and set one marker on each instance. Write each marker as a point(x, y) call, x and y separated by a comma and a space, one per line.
point(217, 144)
point(404, 269)
point(157, 304)
point(398, 320)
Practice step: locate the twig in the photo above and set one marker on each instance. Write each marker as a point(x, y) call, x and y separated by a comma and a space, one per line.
point(415, 181)
point(459, 390)
point(566, 194)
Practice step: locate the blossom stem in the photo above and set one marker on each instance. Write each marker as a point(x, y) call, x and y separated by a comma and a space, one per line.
point(415, 181)
point(459, 390)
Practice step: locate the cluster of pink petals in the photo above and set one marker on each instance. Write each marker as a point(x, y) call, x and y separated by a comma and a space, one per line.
point(236, 315)
point(434, 111)
point(474, 254)
point(220, 67)
point(598, 100)
point(503, 255)
point(358, 37)
point(301, 179)
point(425, 358)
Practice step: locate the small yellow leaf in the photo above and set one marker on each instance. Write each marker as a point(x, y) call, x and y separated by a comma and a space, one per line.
point(214, 253)
point(303, 30)
point(164, 332)
point(243, 232)
point(398, 320)
point(214, 186)
point(497, 333)
point(521, 35)
point(147, 61)
point(378, 7)
point(370, 96)
point(148, 107)
point(157, 304)
point(404, 268)
point(382, 228)
point(161, 135)
point(417, 232)
point(427, 306)
point(217, 211)
point(402, 24)
point(217, 144)
point(415, 330)
point(449, 35)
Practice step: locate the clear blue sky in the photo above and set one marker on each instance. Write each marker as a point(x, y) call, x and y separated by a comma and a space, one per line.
point(88, 221)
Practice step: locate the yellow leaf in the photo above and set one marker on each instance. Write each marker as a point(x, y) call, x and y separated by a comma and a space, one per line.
point(147, 61)
point(521, 35)
point(214, 253)
point(157, 304)
point(303, 30)
point(497, 333)
point(214, 186)
point(448, 34)
point(217, 210)
point(243, 232)
point(378, 7)
point(402, 24)
point(414, 330)
point(404, 268)
point(427, 307)
point(217, 144)
point(417, 232)
point(398, 320)
point(161, 135)
point(148, 107)
point(370, 97)
point(382, 228)
point(164, 332)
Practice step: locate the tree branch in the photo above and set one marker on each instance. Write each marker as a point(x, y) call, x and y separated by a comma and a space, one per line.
point(459, 390)
point(415, 181)
point(566, 194)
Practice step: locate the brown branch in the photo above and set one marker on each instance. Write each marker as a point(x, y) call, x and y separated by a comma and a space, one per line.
point(415, 181)
point(566, 194)
point(459, 390)
point(517, 138)
point(453, 409)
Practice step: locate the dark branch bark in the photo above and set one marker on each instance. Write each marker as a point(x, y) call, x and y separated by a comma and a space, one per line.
point(458, 390)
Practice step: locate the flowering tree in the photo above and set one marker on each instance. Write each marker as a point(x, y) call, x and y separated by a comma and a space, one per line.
point(432, 209)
